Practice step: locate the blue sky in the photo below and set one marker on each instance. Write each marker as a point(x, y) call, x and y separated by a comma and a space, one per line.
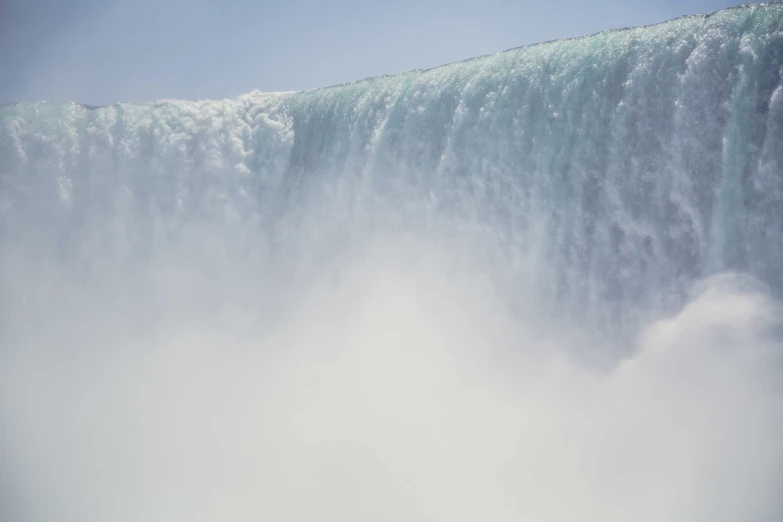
point(106, 51)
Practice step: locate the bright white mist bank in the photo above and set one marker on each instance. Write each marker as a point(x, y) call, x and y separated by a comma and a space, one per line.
point(394, 390)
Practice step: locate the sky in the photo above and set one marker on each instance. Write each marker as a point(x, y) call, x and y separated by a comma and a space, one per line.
point(107, 51)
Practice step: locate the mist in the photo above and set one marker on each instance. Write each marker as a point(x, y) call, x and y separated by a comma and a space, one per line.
point(399, 384)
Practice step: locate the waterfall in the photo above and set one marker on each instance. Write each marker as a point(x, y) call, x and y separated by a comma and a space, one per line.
point(562, 262)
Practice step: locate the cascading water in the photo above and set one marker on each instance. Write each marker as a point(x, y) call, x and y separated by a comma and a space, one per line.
point(537, 285)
